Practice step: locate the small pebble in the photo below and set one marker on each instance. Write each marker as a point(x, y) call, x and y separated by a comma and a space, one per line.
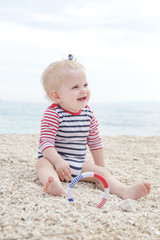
point(157, 233)
point(128, 205)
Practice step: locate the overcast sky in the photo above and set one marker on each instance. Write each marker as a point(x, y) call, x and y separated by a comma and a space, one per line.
point(117, 41)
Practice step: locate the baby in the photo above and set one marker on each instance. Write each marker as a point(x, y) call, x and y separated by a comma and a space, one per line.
point(67, 127)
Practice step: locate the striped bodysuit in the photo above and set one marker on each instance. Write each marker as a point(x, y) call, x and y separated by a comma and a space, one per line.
point(69, 133)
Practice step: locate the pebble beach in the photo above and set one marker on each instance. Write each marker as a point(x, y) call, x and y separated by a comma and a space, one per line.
point(26, 212)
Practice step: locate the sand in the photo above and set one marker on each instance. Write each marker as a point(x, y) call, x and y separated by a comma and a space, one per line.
point(26, 212)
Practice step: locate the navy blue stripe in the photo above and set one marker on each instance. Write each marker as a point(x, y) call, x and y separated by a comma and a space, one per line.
point(66, 153)
point(76, 149)
point(72, 136)
point(73, 131)
point(85, 120)
point(67, 159)
point(75, 126)
point(68, 143)
point(73, 175)
point(76, 168)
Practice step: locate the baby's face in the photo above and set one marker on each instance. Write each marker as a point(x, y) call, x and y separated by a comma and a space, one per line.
point(74, 93)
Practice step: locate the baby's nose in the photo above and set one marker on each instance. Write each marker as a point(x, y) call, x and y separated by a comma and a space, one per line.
point(83, 90)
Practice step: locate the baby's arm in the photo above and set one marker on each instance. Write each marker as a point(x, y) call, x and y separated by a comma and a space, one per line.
point(98, 157)
point(49, 128)
point(61, 166)
point(94, 142)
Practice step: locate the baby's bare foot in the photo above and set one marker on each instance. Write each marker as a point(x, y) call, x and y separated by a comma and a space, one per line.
point(52, 187)
point(137, 191)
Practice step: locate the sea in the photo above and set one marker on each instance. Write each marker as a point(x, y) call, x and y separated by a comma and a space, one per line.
point(115, 119)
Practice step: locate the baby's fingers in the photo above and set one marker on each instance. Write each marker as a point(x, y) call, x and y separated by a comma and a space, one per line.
point(61, 175)
point(67, 174)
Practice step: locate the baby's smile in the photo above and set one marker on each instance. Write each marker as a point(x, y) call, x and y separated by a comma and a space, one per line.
point(82, 99)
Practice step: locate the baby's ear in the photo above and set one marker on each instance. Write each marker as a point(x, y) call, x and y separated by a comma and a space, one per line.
point(55, 96)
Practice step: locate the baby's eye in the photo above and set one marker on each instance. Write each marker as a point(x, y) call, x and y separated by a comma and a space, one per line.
point(75, 87)
point(86, 85)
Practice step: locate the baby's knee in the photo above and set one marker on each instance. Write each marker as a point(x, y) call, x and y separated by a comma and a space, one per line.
point(41, 162)
point(102, 171)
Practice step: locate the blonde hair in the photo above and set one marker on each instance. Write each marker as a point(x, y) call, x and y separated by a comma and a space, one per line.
point(53, 75)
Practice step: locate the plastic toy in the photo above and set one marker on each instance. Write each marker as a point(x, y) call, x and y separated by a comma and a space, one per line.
point(85, 175)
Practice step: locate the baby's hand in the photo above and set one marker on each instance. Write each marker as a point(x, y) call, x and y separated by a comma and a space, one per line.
point(63, 170)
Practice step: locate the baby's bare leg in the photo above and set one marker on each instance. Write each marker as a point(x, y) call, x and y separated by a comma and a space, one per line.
point(49, 178)
point(116, 187)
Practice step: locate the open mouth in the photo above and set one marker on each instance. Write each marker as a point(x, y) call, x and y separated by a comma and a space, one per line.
point(82, 99)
